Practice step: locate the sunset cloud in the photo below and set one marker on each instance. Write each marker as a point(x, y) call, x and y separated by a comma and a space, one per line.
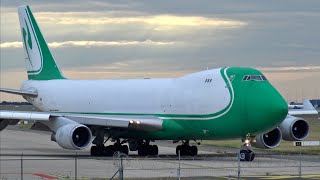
point(293, 68)
point(137, 39)
point(96, 18)
point(92, 43)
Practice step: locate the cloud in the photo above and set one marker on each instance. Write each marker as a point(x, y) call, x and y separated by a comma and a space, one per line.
point(290, 68)
point(93, 43)
point(15, 44)
point(164, 20)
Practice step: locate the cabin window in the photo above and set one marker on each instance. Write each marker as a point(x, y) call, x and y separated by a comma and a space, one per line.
point(208, 80)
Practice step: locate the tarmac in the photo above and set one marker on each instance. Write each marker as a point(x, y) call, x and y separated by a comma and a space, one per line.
point(33, 155)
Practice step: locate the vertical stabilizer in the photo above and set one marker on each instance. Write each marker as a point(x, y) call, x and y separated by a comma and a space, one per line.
point(307, 105)
point(39, 60)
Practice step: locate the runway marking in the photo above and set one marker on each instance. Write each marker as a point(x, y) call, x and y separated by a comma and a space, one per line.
point(45, 176)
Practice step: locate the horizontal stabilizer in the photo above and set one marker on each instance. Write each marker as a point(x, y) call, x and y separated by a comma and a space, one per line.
point(19, 92)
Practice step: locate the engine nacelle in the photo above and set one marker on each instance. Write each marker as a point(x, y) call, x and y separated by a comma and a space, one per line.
point(73, 136)
point(294, 129)
point(268, 140)
point(3, 124)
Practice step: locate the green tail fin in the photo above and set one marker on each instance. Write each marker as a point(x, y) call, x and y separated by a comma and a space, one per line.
point(39, 60)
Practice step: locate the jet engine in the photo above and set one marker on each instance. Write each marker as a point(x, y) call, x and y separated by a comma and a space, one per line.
point(73, 136)
point(3, 124)
point(294, 129)
point(268, 140)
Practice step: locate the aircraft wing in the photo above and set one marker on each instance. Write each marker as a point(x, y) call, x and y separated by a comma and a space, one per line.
point(149, 123)
point(307, 109)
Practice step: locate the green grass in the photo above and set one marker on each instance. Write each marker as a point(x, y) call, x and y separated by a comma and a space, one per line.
point(18, 108)
point(25, 126)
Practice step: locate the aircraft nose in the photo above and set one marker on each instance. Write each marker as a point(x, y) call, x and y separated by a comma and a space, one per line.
point(276, 109)
point(268, 111)
point(279, 108)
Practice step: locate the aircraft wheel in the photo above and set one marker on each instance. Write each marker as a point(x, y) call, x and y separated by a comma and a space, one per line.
point(155, 150)
point(125, 149)
point(251, 156)
point(142, 151)
point(243, 155)
point(97, 151)
point(107, 151)
point(93, 151)
point(193, 150)
point(246, 155)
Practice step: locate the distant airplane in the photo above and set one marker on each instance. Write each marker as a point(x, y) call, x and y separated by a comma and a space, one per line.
point(224, 103)
point(306, 108)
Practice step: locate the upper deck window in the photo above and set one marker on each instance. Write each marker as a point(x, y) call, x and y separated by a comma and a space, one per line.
point(254, 78)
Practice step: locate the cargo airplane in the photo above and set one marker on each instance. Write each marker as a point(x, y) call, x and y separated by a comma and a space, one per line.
point(223, 103)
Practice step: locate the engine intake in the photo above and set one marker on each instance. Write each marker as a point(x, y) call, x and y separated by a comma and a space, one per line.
point(294, 129)
point(73, 136)
point(268, 140)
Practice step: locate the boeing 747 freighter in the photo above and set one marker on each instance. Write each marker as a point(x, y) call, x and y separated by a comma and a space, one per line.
point(223, 103)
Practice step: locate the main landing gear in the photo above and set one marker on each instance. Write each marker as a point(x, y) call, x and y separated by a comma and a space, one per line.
point(142, 146)
point(186, 150)
point(101, 150)
point(246, 154)
point(145, 149)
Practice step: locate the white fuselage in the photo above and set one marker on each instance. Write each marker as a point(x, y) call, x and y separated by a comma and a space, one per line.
point(190, 94)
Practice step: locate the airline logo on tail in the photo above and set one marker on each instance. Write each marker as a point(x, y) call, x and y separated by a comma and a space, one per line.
point(24, 35)
point(32, 49)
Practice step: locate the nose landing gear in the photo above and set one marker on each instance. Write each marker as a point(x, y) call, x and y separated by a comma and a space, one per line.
point(246, 154)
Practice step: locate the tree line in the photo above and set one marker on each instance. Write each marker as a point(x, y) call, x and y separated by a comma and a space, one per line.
point(14, 103)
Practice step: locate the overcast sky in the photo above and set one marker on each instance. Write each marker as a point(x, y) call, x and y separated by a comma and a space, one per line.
point(169, 38)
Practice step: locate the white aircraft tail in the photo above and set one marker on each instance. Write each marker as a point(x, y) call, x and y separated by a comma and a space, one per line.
point(307, 105)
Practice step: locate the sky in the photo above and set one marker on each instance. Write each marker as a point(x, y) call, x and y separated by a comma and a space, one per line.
point(101, 39)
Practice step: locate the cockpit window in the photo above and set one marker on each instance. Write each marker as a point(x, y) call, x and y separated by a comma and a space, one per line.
point(254, 78)
point(264, 78)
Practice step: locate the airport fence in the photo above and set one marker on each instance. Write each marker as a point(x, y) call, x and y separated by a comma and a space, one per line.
point(158, 168)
